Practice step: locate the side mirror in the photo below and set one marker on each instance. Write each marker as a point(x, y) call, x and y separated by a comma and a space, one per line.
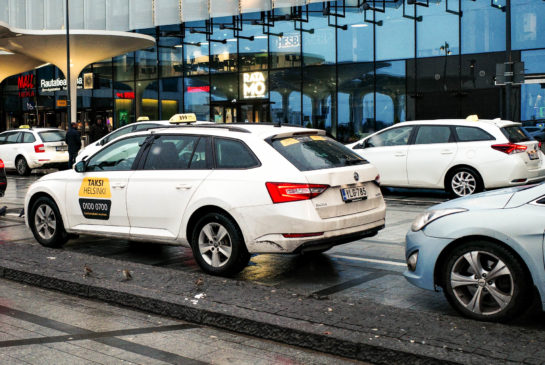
point(80, 166)
point(357, 146)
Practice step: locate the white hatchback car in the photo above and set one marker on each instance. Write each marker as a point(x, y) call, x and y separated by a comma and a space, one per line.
point(25, 149)
point(226, 191)
point(460, 156)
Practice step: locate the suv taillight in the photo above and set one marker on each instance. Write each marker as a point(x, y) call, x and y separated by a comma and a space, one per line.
point(38, 148)
point(509, 148)
point(290, 192)
point(1, 164)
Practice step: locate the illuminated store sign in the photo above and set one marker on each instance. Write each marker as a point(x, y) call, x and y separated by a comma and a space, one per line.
point(25, 83)
point(57, 84)
point(198, 89)
point(254, 85)
point(125, 95)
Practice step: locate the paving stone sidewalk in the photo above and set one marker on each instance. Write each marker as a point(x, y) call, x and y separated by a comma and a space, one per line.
point(359, 329)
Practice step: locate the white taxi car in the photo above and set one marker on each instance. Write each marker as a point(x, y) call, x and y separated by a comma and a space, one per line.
point(460, 156)
point(135, 127)
point(226, 191)
point(28, 148)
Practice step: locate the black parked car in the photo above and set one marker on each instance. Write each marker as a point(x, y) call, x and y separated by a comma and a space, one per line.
point(3, 179)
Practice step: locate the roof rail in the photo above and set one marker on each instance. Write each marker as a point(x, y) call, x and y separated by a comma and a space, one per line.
point(211, 126)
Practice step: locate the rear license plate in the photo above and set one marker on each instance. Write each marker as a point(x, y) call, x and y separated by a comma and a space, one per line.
point(61, 148)
point(533, 155)
point(353, 194)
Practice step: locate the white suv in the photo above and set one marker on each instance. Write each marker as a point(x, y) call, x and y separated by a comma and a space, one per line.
point(25, 149)
point(224, 190)
point(463, 157)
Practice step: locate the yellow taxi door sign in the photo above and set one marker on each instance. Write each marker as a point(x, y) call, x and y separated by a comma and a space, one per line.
point(95, 187)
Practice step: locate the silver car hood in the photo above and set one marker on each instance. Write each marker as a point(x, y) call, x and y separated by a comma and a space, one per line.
point(494, 199)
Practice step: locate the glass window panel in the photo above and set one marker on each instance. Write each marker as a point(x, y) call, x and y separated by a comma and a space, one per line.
point(483, 27)
point(433, 134)
point(533, 61)
point(119, 156)
point(527, 24)
point(147, 104)
point(532, 102)
point(390, 97)
point(171, 97)
point(124, 67)
point(223, 56)
point(355, 44)
point(146, 59)
point(170, 54)
point(224, 87)
point(196, 49)
point(285, 51)
point(355, 101)
point(319, 90)
point(36, 20)
point(171, 153)
point(253, 54)
point(319, 46)
point(193, 10)
point(395, 38)
point(233, 154)
point(54, 11)
point(197, 96)
point(479, 70)
point(17, 9)
point(4, 10)
point(124, 97)
point(437, 29)
point(285, 96)
point(391, 137)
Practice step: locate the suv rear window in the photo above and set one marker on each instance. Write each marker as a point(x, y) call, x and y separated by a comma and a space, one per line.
point(316, 152)
point(52, 136)
point(515, 134)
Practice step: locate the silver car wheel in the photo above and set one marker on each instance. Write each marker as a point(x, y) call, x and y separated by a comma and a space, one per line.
point(45, 221)
point(21, 166)
point(482, 283)
point(215, 244)
point(463, 183)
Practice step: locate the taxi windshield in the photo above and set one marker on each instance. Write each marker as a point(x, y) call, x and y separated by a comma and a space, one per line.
point(52, 136)
point(315, 152)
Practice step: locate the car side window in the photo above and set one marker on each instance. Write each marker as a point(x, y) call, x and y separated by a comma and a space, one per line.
point(28, 138)
point(118, 133)
point(141, 127)
point(13, 137)
point(119, 156)
point(171, 152)
point(233, 154)
point(428, 134)
point(471, 134)
point(198, 161)
point(391, 137)
point(3, 137)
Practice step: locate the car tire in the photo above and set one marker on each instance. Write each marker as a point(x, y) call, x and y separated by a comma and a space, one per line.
point(22, 166)
point(499, 292)
point(218, 245)
point(46, 223)
point(463, 181)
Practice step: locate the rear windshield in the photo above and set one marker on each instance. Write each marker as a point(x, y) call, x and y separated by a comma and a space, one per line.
point(315, 152)
point(515, 134)
point(52, 136)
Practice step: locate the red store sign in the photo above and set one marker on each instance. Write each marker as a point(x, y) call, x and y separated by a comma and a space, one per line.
point(25, 83)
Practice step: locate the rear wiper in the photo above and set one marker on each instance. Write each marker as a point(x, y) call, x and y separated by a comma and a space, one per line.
point(354, 162)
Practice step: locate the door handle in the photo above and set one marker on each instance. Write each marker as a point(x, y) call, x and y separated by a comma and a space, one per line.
point(118, 186)
point(400, 154)
point(183, 186)
point(447, 152)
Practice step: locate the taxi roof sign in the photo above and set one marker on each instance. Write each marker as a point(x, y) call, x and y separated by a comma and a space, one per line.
point(25, 126)
point(142, 118)
point(183, 118)
point(473, 118)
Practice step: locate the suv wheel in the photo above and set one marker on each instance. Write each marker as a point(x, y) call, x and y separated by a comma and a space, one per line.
point(22, 166)
point(463, 181)
point(46, 223)
point(485, 281)
point(218, 246)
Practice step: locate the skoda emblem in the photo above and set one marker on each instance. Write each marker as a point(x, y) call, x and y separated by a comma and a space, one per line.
point(356, 176)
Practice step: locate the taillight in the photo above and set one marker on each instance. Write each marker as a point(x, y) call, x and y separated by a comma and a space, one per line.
point(289, 192)
point(1, 164)
point(38, 148)
point(377, 180)
point(509, 148)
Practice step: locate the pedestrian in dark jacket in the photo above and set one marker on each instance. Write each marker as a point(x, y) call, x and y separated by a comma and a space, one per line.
point(73, 140)
point(98, 130)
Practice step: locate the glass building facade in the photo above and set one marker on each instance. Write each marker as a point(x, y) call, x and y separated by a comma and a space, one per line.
point(350, 67)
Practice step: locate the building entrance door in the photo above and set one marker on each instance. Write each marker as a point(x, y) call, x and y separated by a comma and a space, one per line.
point(240, 112)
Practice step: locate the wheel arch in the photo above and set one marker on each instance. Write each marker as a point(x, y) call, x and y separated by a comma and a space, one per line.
point(462, 166)
point(438, 278)
point(37, 196)
point(197, 214)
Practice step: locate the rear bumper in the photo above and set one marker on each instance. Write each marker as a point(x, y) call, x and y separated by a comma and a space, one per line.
point(337, 240)
point(47, 160)
point(513, 172)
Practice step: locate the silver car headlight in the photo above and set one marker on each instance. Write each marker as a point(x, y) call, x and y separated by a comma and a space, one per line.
point(425, 218)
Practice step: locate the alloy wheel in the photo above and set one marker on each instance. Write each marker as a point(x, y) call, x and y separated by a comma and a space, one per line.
point(464, 183)
point(215, 244)
point(21, 166)
point(482, 283)
point(45, 221)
